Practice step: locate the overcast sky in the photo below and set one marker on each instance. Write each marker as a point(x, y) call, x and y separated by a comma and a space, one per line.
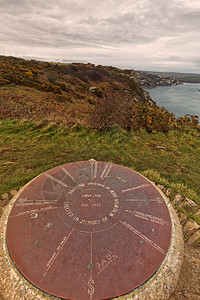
point(160, 35)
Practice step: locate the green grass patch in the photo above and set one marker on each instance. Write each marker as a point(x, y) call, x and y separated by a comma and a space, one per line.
point(30, 148)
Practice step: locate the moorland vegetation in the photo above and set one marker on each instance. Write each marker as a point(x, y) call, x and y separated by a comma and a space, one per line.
point(80, 94)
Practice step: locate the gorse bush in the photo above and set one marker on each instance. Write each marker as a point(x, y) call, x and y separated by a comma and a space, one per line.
point(115, 108)
point(152, 118)
point(3, 81)
point(191, 121)
point(49, 87)
point(21, 72)
point(18, 72)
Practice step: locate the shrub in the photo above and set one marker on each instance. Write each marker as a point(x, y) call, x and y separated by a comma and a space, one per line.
point(152, 118)
point(49, 87)
point(52, 76)
point(188, 120)
point(3, 81)
point(113, 108)
point(62, 86)
point(63, 98)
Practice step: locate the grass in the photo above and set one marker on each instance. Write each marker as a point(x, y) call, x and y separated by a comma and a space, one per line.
point(30, 148)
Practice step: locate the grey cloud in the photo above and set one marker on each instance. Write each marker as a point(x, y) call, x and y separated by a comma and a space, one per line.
point(142, 24)
point(100, 23)
point(174, 58)
point(191, 19)
point(182, 59)
point(196, 61)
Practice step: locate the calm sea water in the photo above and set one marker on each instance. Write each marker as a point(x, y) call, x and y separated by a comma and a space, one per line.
point(180, 99)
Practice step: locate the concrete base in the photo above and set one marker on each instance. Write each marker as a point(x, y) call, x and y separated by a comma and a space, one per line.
point(13, 286)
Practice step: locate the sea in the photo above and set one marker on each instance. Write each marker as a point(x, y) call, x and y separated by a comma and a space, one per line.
point(179, 99)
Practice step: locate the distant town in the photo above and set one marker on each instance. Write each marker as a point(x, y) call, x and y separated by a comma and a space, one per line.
point(148, 79)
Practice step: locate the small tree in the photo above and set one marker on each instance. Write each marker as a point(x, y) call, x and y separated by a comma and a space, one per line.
point(113, 108)
point(52, 76)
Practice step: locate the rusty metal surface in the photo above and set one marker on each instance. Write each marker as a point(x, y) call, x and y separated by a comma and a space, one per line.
point(89, 230)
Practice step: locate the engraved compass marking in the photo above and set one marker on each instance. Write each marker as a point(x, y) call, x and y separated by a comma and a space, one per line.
point(25, 202)
point(58, 181)
point(68, 174)
point(148, 217)
point(106, 171)
point(33, 215)
point(105, 261)
point(157, 199)
point(91, 265)
point(142, 236)
point(91, 244)
point(83, 172)
point(122, 178)
point(93, 167)
point(136, 188)
point(91, 288)
point(55, 254)
point(34, 212)
point(112, 195)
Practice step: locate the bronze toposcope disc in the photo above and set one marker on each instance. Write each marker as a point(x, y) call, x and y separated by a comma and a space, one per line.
point(88, 230)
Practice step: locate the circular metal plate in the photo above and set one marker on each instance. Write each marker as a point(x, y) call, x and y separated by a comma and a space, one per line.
point(89, 230)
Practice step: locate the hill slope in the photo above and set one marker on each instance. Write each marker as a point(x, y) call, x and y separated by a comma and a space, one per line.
point(60, 92)
point(54, 96)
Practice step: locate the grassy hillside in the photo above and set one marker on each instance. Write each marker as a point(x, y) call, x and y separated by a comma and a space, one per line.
point(62, 93)
point(53, 114)
point(29, 148)
point(79, 94)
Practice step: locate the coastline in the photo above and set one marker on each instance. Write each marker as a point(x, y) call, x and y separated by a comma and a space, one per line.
point(179, 99)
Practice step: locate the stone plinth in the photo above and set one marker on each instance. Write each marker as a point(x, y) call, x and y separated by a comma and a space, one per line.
point(89, 230)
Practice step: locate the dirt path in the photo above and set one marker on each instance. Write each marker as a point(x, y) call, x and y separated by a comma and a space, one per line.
point(188, 286)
